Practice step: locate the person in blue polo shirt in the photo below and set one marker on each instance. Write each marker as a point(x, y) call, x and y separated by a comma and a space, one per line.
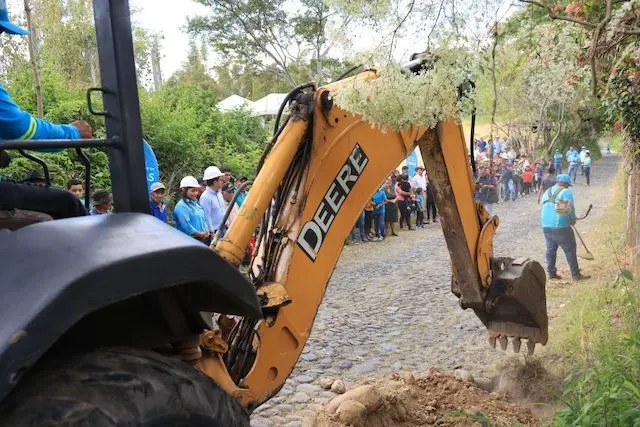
point(156, 201)
point(573, 158)
point(557, 216)
point(557, 161)
point(188, 214)
point(16, 123)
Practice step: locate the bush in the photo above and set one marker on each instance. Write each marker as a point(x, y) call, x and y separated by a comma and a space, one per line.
point(605, 389)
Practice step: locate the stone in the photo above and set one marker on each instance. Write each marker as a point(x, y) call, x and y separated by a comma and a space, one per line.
point(303, 379)
point(463, 375)
point(325, 362)
point(344, 364)
point(260, 422)
point(389, 346)
point(300, 397)
point(325, 383)
point(284, 409)
point(309, 357)
point(366, 367)
point(309, 388)
point(368, 395)
point(352, 413)
point(338, 387)
point(277, 420)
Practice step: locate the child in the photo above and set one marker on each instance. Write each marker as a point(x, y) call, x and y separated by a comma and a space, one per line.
point(419, 208)
point(527, 180)
point(379, 199)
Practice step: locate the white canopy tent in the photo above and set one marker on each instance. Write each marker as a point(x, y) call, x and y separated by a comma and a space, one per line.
point(268, 105)
point(235, 102)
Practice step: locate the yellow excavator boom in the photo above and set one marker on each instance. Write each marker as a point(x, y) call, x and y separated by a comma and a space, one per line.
point(322, 169)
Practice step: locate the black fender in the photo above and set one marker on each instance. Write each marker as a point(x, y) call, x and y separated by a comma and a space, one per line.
point(55, 273)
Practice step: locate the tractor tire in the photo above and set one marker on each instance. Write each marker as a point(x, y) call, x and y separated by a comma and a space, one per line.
point(120, 387)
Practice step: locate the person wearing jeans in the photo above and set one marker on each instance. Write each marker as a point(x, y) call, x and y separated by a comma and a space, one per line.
point(379, 200)
point(557, 215)
point(586, 167)
point(506, 178)
point(573, 158)
point(358, 230)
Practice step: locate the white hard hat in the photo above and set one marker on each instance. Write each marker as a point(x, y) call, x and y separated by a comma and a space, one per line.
point(189, 182)
point(212, 172)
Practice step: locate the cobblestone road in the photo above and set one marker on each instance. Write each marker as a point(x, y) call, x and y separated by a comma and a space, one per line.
point(389, 307)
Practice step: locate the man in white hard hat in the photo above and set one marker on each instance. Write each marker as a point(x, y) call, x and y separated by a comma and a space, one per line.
point(211, 200)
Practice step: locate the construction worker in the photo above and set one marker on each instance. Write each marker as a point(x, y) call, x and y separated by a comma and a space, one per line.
point(557, 215)
point(18, 124)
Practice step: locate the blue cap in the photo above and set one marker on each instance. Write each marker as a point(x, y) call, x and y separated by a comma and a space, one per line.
point(6, 25)
point(564, 178)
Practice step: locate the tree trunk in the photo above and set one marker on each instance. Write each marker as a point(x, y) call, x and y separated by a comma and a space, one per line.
point(33, 59)
point(494, 103)
point(155, 66)
point(633, 213)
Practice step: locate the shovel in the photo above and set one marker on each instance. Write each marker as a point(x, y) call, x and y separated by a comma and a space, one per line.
point(588, 255)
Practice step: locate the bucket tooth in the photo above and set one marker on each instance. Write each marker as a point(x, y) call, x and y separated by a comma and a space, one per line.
point(531, 347)
point(492, 341)
point(503, 342)
point(516, 344)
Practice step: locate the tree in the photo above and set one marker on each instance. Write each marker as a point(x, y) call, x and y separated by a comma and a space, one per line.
point(261, 33)
point(614, 29)
point(33, 59)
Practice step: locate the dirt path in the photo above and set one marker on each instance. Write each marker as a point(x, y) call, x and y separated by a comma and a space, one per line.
point(389, 308)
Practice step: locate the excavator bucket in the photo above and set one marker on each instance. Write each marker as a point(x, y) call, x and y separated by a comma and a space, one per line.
point(517, 306)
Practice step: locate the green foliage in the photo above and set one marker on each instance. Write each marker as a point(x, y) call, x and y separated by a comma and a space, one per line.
point(188, 133)
point(622, 102)
point(598, 334)
point(607, 391)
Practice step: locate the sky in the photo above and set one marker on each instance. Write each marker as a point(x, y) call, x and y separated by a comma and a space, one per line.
point(169, 18)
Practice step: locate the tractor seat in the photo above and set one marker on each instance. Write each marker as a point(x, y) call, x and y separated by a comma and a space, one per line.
point(22, 204)
point(18, 218)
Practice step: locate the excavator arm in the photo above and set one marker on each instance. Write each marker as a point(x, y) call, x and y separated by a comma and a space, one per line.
point(324, 166)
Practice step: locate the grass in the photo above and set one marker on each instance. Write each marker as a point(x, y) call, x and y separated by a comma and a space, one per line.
point(616, 142)
point(598, 334)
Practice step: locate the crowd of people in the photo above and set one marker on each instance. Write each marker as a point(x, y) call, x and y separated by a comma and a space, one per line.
point(199, 211)
point(401, 203)
point(506, 176)
point(503, 176)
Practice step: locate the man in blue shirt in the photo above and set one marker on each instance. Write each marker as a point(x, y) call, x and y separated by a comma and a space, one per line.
point(211, 200)
point(557, 216)
point(557, 161)
point(18, 124)
point(156, 201)
point(573, 158)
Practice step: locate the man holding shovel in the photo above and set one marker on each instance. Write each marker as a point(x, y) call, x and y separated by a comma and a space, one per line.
point(558, 214)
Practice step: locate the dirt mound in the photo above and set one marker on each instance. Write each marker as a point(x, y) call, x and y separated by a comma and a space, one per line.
point(431, 398)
